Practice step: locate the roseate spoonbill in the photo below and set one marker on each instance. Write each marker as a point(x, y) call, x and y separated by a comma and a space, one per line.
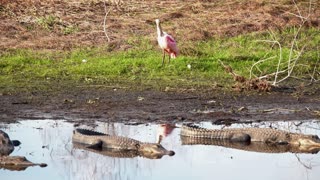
point(166, 43)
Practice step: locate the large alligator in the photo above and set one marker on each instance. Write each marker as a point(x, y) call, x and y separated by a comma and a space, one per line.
point(101, 141)
point(13, 162)
point(292, 142)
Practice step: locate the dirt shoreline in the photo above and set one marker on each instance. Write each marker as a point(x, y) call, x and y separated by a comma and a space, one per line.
point(86, 105)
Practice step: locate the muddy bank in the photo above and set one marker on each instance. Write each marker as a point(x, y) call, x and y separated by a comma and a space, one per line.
point(121, 105)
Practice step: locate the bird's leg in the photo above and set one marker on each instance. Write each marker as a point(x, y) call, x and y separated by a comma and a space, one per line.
point(160, 139)
point(164, 55)
point(169, 58)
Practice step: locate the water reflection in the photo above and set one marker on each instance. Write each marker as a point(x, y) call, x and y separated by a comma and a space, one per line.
point(164, 130)
point(50, 142)
point(250, 146)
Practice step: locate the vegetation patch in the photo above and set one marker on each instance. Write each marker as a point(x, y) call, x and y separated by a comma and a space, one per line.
point(113, 43)
point(199, 66)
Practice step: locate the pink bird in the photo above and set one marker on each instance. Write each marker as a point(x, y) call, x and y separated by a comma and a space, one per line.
point(166, 43)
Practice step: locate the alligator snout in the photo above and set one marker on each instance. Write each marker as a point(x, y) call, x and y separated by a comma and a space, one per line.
point(171, 153)
point(154, 150)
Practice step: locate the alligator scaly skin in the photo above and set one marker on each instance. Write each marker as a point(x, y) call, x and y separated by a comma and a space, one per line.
point(89, 137)
point(6, 146)
point(249, 146)
point(266, 135)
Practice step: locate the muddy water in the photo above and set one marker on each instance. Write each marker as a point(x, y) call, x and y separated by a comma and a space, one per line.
point(50, 142)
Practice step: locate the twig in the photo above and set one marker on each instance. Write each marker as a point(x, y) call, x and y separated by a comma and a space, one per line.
point(304, 165)
point(294, 64)
point(105, 19)
point(280, 109)
point(272, 74)
point(279, 61)
point(258, 62)
point(314, 69)
point(299, 16)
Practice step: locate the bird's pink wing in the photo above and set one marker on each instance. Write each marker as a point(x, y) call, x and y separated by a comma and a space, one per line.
point(172, 45)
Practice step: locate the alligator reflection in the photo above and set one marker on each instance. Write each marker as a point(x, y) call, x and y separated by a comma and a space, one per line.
point(249, 146)
point(17, 163)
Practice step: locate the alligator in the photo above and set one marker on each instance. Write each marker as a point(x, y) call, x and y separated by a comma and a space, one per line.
point(13, 162)
point(101, 141)
point(307, 143)
point(116, 153)
point(7, 145)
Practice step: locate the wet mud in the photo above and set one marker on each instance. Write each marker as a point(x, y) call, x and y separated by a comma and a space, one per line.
point(86, 105)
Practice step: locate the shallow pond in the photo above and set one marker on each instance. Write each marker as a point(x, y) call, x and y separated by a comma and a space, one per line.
point(49, 142)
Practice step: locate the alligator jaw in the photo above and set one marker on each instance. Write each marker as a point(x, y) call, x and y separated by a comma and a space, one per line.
point(312, 145)
point(151, 155)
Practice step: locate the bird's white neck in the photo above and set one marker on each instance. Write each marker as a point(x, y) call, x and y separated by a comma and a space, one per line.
point(159, 30)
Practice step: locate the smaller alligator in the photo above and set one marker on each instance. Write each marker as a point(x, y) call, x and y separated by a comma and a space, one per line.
point(265, 135)
point(12, 162)
point(7, 145)
point(98, 140)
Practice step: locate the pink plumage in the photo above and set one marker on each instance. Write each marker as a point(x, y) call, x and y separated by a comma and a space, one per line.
point(166, 43)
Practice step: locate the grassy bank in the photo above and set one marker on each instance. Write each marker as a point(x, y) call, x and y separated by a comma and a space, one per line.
point(140, 66)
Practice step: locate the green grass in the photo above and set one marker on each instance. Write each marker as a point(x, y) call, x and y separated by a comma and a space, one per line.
point(141, 65)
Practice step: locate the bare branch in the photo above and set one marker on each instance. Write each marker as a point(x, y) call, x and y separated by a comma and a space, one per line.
point(299, 16)
point(303, 164)
point(105, 19)
point(314, 69)
point(295, 52)
point(258, 62)
point(279, 61)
